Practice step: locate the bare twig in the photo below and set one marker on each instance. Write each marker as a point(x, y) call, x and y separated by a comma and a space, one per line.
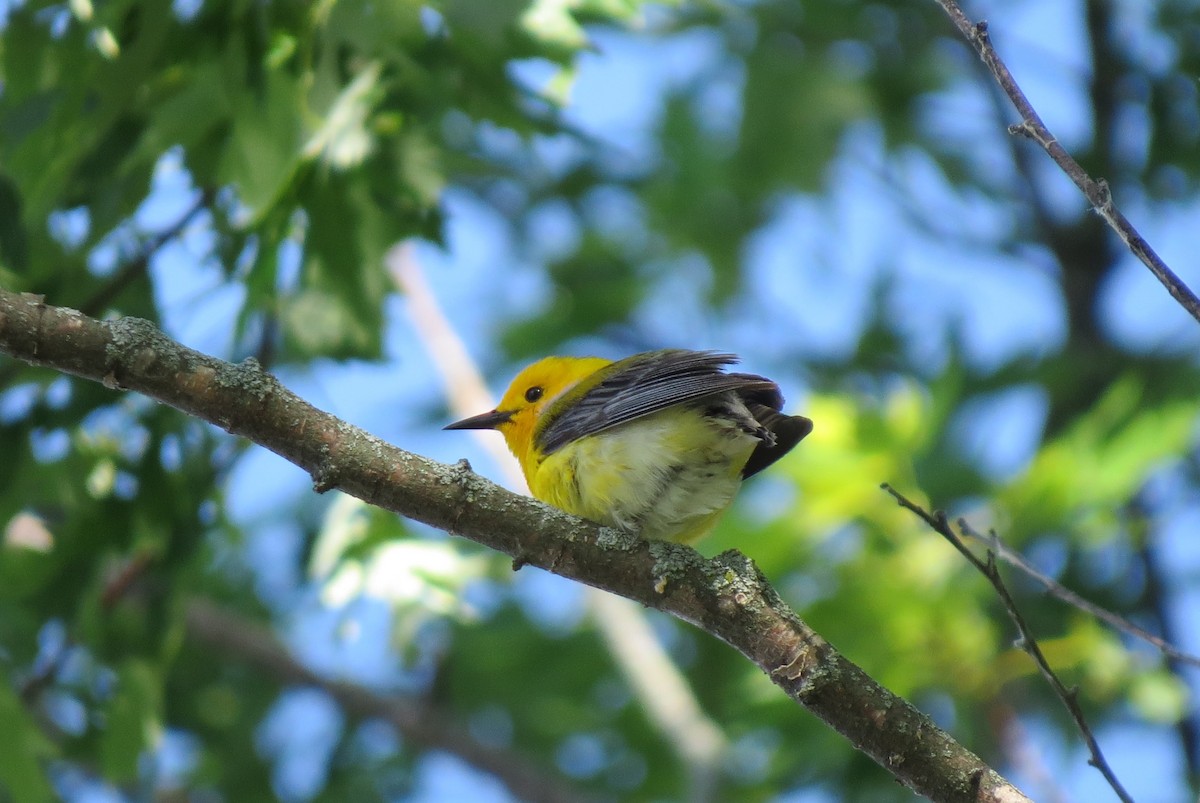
point(1023, 161)
point(118, 585)
point(1056, 589)
point(47, 675)
point(136, 267)
point(1095, 190)
point(938, 522)
point(419, 722)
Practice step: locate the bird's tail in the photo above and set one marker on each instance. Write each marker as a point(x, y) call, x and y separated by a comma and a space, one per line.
point(788, 431)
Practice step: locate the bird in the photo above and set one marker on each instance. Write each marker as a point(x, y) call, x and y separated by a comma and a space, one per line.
point(655, 444)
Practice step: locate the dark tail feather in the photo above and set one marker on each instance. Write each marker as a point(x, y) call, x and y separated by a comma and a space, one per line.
point(788, 431)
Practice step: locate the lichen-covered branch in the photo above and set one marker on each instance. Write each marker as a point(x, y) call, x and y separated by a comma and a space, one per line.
point(725, 596)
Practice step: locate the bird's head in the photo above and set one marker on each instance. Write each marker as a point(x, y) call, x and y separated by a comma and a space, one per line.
point(536, 391)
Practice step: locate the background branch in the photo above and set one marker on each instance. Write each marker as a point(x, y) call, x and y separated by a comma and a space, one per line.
point(418, 722)
point(1070, 698)
point(1096, 191)
point(726, 596)
point(1057, 590)
point(136, 268)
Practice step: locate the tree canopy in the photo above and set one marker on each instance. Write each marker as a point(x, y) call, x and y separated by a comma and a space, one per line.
point(831, 190)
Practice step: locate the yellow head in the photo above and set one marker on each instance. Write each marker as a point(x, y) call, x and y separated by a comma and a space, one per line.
point(538, 389)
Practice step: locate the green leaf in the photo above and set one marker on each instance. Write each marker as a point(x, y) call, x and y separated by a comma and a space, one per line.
point(552, 22)
point(342, 140)
point(1160, 696)
point(1100, 462)
point(485, 25)
point(264, 153)
point(24, 571)
point(196, 101)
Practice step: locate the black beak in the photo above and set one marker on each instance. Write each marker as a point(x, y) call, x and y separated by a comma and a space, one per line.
point(488, 420)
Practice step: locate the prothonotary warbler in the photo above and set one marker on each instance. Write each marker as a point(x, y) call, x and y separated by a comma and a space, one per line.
point(657, 443)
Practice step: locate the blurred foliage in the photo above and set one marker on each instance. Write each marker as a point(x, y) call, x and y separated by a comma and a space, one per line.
point(313, 136)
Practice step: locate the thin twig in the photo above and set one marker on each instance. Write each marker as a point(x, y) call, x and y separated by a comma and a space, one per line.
point(1095, 190)
point(118, 585)
point(1023, 161)
point(47, 675)
point(938, 522)
point(136, 267)
point(1059, 591)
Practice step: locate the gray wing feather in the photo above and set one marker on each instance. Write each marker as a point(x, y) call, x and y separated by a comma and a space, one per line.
point(649, 383)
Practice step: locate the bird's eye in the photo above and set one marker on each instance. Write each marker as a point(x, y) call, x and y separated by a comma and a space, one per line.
point(533, 394)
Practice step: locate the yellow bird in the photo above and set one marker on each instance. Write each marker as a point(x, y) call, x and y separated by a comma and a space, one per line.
point(657, 443)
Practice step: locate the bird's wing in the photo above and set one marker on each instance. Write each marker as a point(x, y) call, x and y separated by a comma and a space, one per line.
point(646, 383)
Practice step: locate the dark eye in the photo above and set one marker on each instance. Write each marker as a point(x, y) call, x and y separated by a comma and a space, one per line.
point(533, 394)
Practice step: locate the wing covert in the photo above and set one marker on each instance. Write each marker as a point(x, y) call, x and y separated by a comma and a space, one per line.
point(647, 383)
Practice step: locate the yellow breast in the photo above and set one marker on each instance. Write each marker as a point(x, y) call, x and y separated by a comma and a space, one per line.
point(669, 475)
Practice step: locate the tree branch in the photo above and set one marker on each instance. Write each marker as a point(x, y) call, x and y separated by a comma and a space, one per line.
point(1057, 590)
point(1070, 697)
point(136, 268)
point(421, 723)
point(1096, 191)
point(726, 596)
